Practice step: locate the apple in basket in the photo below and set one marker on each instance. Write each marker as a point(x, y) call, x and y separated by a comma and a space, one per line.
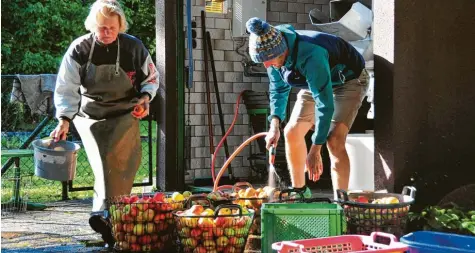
point(130, 238)
point(134, 247)
point(128, 227)
point(230, 249)
point(120, 236)
point(200, 249)
point(222, 241)
point(209, 244)
point(149, 227)
point(123, 245)
point(144, 239)
point(133, 199)
point(218, 231)
point(154, 238)
point(185, 232)
point(158, 246)
point(149, 214)
point(138, 229)
point(160, 217)
point(196, 233)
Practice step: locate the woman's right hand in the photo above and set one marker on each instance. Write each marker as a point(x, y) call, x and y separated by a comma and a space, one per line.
point(61, 130)
point(272, 137)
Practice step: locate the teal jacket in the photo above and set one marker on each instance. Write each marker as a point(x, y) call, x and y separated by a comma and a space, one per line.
point(325, 61)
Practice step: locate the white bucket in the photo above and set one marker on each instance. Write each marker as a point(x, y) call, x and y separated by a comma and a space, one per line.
point(360, 149)
point(55, 160)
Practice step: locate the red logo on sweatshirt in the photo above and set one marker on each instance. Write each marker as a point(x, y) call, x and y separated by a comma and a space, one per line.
point(131, 76)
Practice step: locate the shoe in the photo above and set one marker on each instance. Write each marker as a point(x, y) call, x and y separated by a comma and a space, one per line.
point(102, 226)
point(307, 193)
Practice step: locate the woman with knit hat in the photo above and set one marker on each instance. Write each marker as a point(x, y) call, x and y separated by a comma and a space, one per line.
point(331, 75)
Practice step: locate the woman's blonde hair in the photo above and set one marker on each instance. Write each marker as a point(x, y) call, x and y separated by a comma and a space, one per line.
point(107, 8)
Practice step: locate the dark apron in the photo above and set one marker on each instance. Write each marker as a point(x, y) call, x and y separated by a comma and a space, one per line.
point(109, 133)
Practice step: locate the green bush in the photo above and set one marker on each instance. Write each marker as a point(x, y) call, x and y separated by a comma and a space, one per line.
point(36, 34)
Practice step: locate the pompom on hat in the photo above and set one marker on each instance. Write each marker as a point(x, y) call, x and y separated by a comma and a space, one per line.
point(265, 41)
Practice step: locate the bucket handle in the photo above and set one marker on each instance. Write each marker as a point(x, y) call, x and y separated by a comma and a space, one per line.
point(195, 197)
point(230, 206)
point(409, 191)
point(237, 185)
point(290, 190)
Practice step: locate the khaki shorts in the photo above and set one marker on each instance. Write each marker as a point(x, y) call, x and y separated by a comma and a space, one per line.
point(347, 100)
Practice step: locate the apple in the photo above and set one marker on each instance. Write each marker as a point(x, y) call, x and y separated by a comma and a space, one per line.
point(145, 239)
point(142, 204)
point(140, 217)
point(126, 218)
point(138, 229)
point(218, 232)
point(117, 215)
point(146, 248)
point(222, 241)
point(119, 236)
point(130, 238)
point(149, 215)
point(161, 226)
point(185, 232)
point(125, 200)
point(224, 211)
point(200, 249)
point(209, 244)
point(230, 249)
point(149, 227)
point(128, 227)
point(123, 245)
point(196, 233)
point(118, 227)
point(133, 199)
point(158, 246)
point(229, 232)
point(159, 197)
point(196, 209)
point(205, 222)
point(154, 237)
point(207, 233)
point(135, 247)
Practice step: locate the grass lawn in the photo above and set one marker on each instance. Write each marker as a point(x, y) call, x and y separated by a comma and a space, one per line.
point(42, 190)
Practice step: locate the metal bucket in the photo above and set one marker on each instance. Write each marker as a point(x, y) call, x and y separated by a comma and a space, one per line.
point(55, 160)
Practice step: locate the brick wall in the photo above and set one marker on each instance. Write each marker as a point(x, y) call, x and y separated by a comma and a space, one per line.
point(231, 81)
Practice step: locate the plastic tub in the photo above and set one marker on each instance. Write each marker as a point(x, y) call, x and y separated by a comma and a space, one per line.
point(437, 242)
point(55, 160)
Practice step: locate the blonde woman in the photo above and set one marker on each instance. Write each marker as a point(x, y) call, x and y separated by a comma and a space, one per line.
point(102, 77)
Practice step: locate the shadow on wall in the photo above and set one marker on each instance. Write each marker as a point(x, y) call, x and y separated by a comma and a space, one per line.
point(383, 124)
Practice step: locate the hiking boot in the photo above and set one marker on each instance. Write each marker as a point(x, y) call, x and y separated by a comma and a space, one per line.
point(102, 225)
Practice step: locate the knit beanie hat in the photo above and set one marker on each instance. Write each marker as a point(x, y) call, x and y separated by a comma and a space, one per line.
point(265, 41)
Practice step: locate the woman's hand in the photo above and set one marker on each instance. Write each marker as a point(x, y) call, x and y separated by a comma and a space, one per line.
point(61, 130)
point(142, 108)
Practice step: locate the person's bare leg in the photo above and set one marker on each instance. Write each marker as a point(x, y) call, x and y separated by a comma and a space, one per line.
point(296, 151)
point(340, 162)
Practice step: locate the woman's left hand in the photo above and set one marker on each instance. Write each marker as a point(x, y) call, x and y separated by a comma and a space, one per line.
point(142, 108)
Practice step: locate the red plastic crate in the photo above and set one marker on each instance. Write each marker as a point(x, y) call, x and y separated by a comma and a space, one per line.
point(376, 242)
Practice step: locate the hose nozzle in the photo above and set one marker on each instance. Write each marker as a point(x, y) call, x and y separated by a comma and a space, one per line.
point(272, 155)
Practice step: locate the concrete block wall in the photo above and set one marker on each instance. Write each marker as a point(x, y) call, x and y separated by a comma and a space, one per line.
point(231, 82)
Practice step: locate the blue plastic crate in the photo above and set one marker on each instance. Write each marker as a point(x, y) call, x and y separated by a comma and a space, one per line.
point(435, 242)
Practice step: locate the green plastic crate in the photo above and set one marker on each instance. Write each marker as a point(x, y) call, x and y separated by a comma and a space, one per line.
point(294, 221)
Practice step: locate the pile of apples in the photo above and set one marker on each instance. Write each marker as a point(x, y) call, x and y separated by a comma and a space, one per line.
point(201, 231)
point(253, 198)
point(145, 223)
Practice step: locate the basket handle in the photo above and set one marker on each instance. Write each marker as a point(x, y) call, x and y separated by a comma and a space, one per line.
point(230, 206)
point(315, 200)
point(290, 190)
point(195, 197)
point(409, 191)
point(286, 246)
point(342, 195)
point(392, 238)
point(236, 187)
point(225, 187)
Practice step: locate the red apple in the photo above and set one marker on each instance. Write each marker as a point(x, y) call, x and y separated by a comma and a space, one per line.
point(154, 237)
point(200, 249)
point(128, 227)
point(142, 204)
point(119, 236)
point(123, 245)
point(135, 247)
point(230, 249)
point(195, 233)
point(159, 197)
point(145, 239)
point(133, 199)
point(130, 238)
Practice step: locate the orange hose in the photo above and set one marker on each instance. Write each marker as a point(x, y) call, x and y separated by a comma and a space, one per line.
point(234, 154)
point(236, 113)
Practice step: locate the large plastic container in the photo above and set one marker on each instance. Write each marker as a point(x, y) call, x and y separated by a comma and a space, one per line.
point(296, 221)
point(55, 160)
point(437, 242)
point(344, 244)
